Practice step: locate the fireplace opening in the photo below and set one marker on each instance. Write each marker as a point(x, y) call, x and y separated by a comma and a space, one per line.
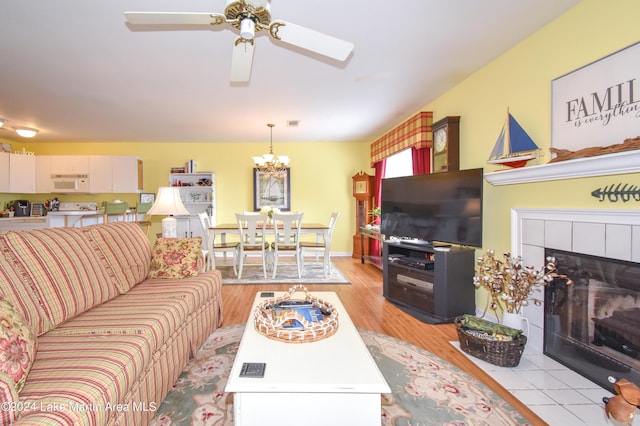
point(593, 326)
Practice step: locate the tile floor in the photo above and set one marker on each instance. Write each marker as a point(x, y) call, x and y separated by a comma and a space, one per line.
point(557, 394)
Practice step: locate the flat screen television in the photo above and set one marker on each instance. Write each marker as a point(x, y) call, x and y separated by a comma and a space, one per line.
point(434, 208)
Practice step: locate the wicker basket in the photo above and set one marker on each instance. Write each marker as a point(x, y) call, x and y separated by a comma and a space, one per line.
point(310, 331)
point(500, 353)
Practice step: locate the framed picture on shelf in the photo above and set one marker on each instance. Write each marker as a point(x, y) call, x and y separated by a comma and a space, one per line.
point(147, 197)
point(272, 189)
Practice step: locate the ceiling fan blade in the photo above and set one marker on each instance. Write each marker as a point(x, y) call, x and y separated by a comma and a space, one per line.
point(310, 40)
point(242, 60)
point(174, 18)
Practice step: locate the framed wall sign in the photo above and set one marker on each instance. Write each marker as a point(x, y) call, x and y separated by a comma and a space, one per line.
point(272, 189)
point(147, 197)
point(597, 104)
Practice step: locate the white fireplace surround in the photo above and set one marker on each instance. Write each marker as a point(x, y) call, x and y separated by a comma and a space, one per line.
point(606, 233)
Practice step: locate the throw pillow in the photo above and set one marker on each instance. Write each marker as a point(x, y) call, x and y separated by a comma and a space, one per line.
point(176, 258)
point(17, 345)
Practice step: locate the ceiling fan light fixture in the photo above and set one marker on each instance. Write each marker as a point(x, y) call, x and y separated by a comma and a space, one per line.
point(247, 29)
point(26, 132)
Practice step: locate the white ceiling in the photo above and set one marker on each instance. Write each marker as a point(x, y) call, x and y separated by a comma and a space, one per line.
point(74, 70)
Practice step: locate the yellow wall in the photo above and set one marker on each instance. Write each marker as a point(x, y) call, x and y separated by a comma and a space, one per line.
point(320, 175)
point(520, 80)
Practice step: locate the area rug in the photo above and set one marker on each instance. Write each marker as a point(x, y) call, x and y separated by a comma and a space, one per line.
point(427, 390)
point(287, 274)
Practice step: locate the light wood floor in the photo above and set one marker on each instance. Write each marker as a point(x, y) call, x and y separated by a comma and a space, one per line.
point(368, 309)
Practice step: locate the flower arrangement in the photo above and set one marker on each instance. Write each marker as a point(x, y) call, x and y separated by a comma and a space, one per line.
point(510, 284)
point(269, 211)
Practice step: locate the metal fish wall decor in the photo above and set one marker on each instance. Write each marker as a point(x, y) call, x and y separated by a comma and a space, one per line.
point(614, 193)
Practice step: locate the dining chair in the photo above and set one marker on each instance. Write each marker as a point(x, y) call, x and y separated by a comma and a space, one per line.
point(115, 212)
point(252, 231)
point(321, 247)
point(141, 216)
point(287, 239)
point(213, 247)
point(206, 253)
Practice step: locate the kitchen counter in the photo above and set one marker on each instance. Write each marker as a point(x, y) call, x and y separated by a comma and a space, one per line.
point(74, 218)
point(22, 223)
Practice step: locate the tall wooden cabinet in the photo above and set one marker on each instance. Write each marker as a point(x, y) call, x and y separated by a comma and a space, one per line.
point(363, 191)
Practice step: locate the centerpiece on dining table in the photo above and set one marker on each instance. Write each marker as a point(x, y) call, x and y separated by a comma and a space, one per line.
point(269, 211)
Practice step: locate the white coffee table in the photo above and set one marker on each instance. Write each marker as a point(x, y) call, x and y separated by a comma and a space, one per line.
point(333, 381)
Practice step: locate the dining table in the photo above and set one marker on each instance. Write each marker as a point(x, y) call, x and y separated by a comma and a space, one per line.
point(223, 229)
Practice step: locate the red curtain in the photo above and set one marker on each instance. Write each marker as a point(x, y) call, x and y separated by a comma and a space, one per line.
point(421, 158)
point(379, 167)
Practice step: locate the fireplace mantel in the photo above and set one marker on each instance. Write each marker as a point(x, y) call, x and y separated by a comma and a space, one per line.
point(602, 165)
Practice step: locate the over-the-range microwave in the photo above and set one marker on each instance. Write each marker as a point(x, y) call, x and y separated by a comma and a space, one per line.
point(67, 183)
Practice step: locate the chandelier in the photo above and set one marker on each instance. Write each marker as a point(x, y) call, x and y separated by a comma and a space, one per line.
point(271, 163)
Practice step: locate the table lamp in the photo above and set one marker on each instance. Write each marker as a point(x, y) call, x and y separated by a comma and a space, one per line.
point(168, 203)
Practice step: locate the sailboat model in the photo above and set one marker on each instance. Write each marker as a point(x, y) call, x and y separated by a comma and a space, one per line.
point(514, 146)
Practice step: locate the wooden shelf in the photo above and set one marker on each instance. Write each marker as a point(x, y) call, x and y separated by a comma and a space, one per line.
point(602, 165)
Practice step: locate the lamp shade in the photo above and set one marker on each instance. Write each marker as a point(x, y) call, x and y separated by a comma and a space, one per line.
point(168, 202)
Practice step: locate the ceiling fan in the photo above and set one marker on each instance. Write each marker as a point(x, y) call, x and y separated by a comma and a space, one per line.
point(250, 16)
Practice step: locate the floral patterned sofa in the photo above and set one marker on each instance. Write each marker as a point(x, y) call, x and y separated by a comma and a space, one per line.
point(95, 325)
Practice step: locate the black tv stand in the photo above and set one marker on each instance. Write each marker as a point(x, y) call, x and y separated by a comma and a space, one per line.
point(415, 242)
point(434, 295)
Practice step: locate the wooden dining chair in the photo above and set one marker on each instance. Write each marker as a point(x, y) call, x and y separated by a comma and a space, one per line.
point(115, 212)
point(252, 231)
point(141, 217)
point(287, 239)
point(323, 247)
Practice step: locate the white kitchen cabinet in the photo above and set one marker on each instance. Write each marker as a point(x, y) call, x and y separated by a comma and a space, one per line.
point(100, 174)
point(127, 176)
point(69, 164)
point(43, 174)
point(4, 173)
point(115, 174)
point(22, 173)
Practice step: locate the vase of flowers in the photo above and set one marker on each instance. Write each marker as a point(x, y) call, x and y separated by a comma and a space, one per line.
point(269, 211)
point(511, 285)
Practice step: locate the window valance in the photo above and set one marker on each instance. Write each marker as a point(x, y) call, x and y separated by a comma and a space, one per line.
point(415, 132)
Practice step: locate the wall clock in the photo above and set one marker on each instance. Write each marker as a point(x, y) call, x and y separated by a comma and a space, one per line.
point(446, 145)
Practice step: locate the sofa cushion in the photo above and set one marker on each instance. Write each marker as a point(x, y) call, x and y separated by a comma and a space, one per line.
point(63, 269)
point(124, 249)
point(155, 317)
point(195, 290)
point(176, 258)
point(17, 345)
point(76, 372)
point(9, 397)
point(16, 287)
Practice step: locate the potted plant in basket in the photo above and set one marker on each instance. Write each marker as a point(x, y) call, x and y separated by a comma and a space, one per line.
point(511, 285)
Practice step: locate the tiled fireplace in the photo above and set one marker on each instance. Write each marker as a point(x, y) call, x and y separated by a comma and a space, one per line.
point(592, 234)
